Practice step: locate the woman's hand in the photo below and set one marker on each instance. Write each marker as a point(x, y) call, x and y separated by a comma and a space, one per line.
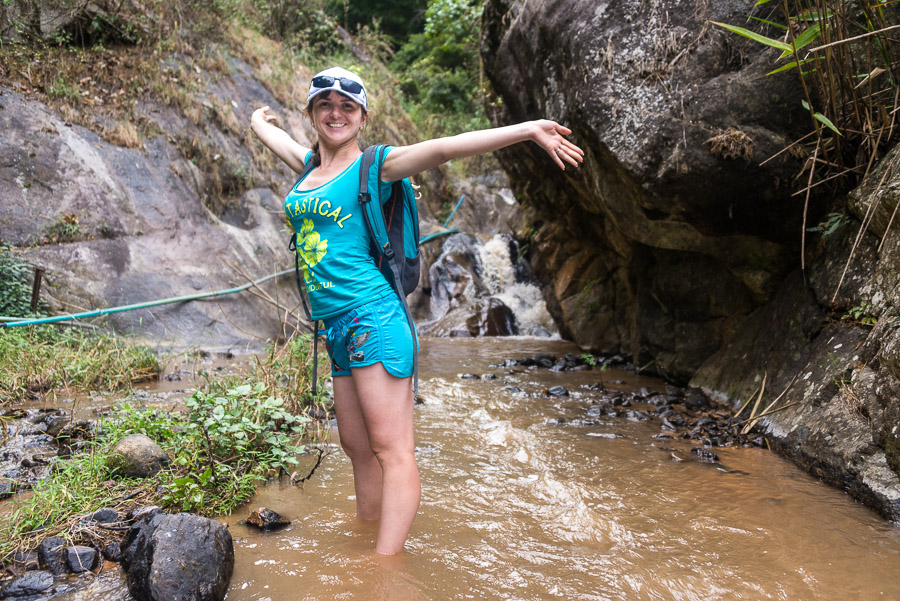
point(549, 136)
point(262, 115)
point(262, 122)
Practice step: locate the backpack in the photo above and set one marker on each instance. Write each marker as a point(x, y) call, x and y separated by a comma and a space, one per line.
point(393, 227)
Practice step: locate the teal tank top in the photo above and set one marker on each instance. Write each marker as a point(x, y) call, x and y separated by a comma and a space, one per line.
point(338, 271)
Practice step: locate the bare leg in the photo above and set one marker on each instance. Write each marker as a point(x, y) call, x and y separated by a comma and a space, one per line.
point(386, 404)
point(355, 442)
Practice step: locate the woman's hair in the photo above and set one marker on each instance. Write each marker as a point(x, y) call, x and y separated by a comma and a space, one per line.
point(308, 111)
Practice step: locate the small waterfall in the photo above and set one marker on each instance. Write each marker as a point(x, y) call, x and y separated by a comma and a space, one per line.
point(477, 290)
point(523, 297)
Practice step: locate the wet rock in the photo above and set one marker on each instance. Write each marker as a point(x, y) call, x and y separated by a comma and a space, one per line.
point(181, 556)
point(29, 584)
point(489, 377)
point(470, 376)
point(266, 519)
point(142, 512)
point(544, 360)
point(696, 400)
point(705, 455)
point(137, 456)
point(492, 317)
point(512, 389)
point(55, 424)
point(658, 400)
point(113, 551)
point(637, 416)
point(26, 560)
point(52, 555)
point(556, 391)
point(7, 488)
point(81, 559)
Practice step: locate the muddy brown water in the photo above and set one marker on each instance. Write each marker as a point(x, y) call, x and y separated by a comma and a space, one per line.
point(516, 507)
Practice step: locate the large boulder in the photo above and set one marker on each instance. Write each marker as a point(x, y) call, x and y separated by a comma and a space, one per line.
point(671, 232)
point(181, 557)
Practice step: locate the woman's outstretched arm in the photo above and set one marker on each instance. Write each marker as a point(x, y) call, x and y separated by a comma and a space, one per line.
point(405, 161)
point(277, 140)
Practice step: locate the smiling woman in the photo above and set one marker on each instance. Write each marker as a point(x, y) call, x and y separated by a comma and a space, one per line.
point(369, 340)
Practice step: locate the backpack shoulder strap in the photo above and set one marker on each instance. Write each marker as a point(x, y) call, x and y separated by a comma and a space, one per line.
point(370, 190)
point(373, 215)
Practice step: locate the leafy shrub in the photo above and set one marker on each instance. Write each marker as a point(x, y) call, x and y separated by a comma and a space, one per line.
point(15, 285)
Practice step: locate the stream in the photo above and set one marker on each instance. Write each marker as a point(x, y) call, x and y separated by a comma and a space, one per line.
point(524, 500)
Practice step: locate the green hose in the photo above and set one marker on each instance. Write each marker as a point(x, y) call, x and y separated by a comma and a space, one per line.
point(11, 322)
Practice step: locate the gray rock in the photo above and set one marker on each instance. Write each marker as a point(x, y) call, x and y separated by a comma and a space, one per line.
point(81, 559)
point(52, 555)
point(184, 557)
point(105, 515)
point(27, 585)
point(137, 456)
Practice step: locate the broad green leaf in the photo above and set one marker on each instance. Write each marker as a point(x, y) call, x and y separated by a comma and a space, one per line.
point(755, 36)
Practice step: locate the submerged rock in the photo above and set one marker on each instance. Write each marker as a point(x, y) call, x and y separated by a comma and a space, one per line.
point(266, 519)
point(178, 557)
point(137, 456)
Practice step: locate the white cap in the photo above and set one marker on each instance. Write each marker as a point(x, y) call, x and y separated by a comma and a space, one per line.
point(336, 79)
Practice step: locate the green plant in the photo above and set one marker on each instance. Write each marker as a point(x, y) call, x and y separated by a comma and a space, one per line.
point(832, 223)
point(589, 359)
point(15, 285)
point(843, 54)
point(860, 314)
point(63, 230)
point(62, 89)
point(239, 436)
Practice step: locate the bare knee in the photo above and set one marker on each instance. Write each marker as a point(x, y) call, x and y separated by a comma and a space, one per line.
point(357, 450)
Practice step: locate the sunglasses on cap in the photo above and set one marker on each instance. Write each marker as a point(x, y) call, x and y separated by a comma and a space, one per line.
point(327, 81)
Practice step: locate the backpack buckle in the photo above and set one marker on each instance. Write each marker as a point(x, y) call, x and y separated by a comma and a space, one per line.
point(364, 197)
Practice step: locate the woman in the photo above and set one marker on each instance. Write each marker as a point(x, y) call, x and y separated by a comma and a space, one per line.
point(368, 338)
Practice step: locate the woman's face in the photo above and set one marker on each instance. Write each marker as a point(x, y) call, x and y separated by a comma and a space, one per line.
point(336, 118)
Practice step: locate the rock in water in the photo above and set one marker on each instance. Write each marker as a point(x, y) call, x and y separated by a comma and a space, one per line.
point(266, 519)
point(27, 585)
point(137, 456)
point(181, 557)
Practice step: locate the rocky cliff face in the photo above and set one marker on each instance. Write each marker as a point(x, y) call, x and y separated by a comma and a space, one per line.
point(676, 117)
point(138, 228)
point(830, 344)
point(675, 244)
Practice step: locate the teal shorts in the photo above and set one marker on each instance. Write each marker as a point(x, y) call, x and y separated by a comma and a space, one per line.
point(376, 332)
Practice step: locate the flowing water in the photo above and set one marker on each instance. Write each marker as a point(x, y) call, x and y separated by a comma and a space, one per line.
point(519, 504)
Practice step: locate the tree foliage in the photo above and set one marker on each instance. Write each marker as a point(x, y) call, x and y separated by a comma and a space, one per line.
point(440, 70)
